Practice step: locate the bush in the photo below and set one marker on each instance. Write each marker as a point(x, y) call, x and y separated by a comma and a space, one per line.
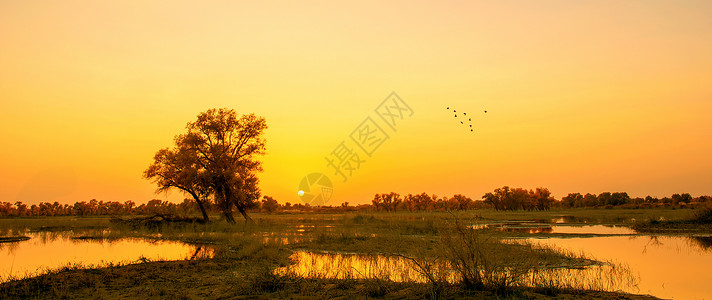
point(703, 215)
point(474, 259)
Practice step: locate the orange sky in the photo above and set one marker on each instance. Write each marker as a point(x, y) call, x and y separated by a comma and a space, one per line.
point(584, 96)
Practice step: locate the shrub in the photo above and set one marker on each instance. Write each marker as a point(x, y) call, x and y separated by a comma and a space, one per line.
point(481, 262)
point(703, 215)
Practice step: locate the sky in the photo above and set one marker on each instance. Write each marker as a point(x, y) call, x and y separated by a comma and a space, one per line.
point(581, 96)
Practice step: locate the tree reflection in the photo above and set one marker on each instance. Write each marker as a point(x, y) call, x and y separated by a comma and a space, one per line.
point(702, 242)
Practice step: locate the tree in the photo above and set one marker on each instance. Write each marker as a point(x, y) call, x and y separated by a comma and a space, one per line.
point(216, 157)
point(269, 204)
point(179, 168)
point(21, 208)
point(681, 198)
point(619, 198)
point(573, 200)
point(704, 199)
point(651, 199)
point(590, 200)
point(507, 198)
point(82, 208)
point(6, 209)
point(543, 198)
point(418, 202)
point(463, 202)
point(496, 198)
point(389, 202)
point(128, 206)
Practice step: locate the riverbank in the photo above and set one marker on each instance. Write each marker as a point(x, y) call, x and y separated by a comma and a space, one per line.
point(698, 222)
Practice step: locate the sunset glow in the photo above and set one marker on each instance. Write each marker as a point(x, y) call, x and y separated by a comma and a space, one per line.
point(581, 96)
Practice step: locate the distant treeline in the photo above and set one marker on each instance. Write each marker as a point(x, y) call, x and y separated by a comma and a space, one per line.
point(507, 198)
point(95, 208)
point(504, 198)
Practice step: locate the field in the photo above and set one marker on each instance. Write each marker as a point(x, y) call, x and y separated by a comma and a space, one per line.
point(244, 258)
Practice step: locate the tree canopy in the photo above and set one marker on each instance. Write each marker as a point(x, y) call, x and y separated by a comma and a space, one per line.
point(216, 160)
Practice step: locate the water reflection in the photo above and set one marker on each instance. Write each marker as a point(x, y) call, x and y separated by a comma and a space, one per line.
point(593, 229)
point(607, 277)
point(283, 240)
point(351, 266)
point(310, 228)
point(564, 219)
point(533, 227)
point(702, 242)
point(669, 267)
point(517, 226)
point(51, 250)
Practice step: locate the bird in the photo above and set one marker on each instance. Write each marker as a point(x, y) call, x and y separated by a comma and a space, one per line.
point(485, 111)
point(455, 116)
point(470, 119)
point(448, 107)
point(461, 122)
point(472, 130)
point(464, 113)
point(454, 110)
point(470, 125)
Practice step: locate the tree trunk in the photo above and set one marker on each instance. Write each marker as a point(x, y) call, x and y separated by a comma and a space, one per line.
point(223, 198)
point(200, 205)
point(227, 213)
point(202, 210)
point(244, 214)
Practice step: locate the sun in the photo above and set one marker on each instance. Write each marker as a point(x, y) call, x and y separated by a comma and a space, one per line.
point(301, 193)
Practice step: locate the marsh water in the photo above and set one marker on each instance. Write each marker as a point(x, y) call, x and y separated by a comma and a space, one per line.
point(51, 250)
point(663, 266)
point(667, 266)
point(533, 227)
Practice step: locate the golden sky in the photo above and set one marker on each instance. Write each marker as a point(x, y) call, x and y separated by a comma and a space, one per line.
point(581, 96)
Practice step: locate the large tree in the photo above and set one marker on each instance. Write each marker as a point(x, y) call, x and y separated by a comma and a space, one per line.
point(216, 157)
point(179, 168)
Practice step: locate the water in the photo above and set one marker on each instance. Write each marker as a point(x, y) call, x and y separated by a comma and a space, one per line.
point(401, 269)
point(351, 266)
point(668, 267)
point(46, 251)
point(532, 227)
point(593, 229)
point(665, 267)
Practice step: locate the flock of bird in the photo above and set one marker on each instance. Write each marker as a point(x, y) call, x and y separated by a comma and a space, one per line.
point(464, 116)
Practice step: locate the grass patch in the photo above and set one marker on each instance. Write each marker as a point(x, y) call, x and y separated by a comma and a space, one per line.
point(699, 221)
point(245, 255)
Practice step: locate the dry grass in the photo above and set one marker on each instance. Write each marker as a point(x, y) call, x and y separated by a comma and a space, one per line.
point(246, 254)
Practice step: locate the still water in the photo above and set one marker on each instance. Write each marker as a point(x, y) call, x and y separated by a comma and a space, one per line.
point(665, 267)
point(534, 227)
point(351, 266)
point(46, 251)
point(399, 269)
point(668, 267)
